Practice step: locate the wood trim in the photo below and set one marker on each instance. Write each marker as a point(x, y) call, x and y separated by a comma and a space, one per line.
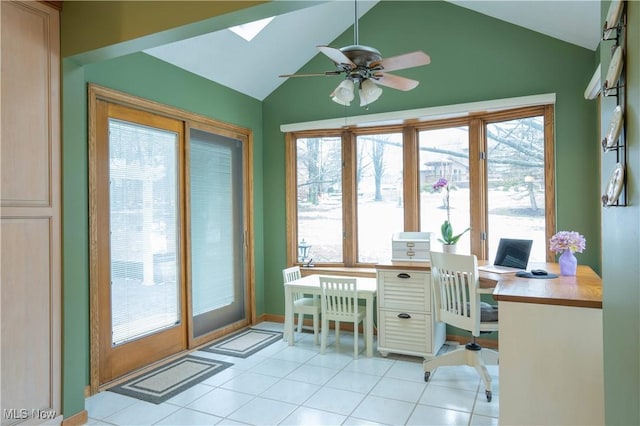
point(477, 179)
point(549, 176)
point(117, 97)
point(95, 110)
point(291, 196)
point(100, 95)
point(55, 4)
point(186, 217)
point(349, 198)
point(78, 419)
point(249, 232)
point(411, 181)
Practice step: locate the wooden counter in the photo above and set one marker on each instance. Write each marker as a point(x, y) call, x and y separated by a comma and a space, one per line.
point(584, 290)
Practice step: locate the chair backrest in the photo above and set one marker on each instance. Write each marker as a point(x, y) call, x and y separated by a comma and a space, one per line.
point(455, 284)
point(339, 298)
point(291, 274)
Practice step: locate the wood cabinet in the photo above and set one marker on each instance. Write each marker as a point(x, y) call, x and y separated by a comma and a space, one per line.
point(406, 324)
point(30, 224)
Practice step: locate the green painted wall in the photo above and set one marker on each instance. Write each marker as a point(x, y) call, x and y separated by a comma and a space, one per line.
point(146, 77)
point(75, 240)
point(474, 58)
point(621, 245)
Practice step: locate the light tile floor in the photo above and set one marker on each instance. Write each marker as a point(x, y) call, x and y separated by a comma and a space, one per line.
point(283, 385)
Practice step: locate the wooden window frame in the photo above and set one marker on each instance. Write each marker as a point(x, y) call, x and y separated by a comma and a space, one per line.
point(476, 123)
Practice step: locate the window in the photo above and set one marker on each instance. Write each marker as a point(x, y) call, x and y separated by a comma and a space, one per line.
point(354, 187)
point(379, 194)
point(319, 197)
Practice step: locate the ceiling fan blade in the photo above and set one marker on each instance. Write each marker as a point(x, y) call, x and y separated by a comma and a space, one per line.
point(316, 74)
point(395, 82)
point(336, 56)
point(408, 60)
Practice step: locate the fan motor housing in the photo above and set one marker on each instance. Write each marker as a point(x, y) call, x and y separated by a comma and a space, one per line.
point(361, 55)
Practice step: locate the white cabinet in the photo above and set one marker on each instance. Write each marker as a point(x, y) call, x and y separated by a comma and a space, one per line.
point(406, 324)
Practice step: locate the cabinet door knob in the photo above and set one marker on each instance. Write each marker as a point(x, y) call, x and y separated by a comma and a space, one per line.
point(404, 316)
point(403, 275)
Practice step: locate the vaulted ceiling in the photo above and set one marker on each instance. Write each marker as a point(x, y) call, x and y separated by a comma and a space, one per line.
point(289, 41)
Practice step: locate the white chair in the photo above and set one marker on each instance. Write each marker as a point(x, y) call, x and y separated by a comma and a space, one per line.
point(302, 304)
point(457, 302)
point(339, 301)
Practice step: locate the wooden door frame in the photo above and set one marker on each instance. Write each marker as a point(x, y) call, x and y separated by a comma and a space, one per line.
point(95, 93)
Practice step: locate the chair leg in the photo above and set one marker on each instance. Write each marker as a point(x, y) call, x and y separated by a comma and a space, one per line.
point(337, 323)
point(475, 360)
point(456, 357)
point(300, 320)
point(489, 356)
point(461, 356)
point(316, 326)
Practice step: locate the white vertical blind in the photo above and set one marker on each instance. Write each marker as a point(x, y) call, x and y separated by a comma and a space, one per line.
point(143, 230)
point(212, 223)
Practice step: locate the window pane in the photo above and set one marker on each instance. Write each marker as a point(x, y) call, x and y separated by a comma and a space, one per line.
point(216, 230)
point(515, 170)
point(319, 183)
point(379, 186)
point(144, 213)
point(444, 153)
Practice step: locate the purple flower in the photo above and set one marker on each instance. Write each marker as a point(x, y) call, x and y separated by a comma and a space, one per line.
point(441, 183)
point(568, 240)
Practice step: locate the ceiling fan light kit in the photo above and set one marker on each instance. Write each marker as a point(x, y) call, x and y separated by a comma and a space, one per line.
point(343, 94)
point(364, 65)
point(369, 92)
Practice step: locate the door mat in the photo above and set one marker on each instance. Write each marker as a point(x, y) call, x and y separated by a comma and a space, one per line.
point(244, 343)
point(162, 383)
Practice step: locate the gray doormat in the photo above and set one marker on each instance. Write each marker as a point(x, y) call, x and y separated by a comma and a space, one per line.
point(162, 383)
point(244, 343)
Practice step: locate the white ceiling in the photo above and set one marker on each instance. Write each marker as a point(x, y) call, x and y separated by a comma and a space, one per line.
point(290, 41)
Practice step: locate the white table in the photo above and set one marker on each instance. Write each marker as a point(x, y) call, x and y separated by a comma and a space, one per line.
point(310, 284)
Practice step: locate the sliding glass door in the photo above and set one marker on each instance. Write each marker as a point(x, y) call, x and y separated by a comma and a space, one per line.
point(141, 315)
point(216, 231)
point(171, 231)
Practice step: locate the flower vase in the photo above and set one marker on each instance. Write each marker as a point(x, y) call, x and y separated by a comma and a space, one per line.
point(568, 263)
point(449, 248)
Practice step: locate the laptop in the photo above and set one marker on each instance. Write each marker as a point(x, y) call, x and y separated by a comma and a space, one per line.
point(513, 255)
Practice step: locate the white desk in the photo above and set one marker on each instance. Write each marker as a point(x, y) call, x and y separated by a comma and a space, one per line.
point(311, 285)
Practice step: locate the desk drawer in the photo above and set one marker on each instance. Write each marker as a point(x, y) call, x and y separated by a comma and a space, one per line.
point(402, 290)
point(405, 335)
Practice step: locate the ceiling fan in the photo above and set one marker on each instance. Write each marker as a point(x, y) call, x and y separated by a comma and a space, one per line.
point(365, 66)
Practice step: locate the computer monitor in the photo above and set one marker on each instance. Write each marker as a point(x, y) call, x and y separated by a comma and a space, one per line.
point(513, 253)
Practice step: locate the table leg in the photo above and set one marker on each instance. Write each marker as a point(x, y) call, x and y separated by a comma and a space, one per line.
point(369, 330)
point(288, 316)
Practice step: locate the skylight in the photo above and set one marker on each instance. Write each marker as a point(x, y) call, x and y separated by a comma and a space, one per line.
point(251, 29)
